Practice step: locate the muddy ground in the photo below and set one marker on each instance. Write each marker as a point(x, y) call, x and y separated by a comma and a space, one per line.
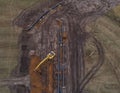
point(25, 58)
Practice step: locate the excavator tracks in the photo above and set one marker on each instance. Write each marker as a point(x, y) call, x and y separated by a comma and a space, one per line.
point(61, 29)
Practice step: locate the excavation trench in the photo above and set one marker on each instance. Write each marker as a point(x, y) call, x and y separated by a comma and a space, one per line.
point(41, 33)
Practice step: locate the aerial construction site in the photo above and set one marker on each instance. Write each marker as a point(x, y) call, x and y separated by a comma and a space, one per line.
point(57, 53)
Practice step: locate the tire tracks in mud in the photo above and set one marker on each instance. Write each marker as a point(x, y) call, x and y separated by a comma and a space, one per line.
point(84, 78)
point(76, 39)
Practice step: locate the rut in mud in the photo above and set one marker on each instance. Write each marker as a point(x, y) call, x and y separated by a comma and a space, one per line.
point(44, 37)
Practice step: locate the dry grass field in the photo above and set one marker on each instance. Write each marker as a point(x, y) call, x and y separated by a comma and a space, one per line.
point(9, 9)
point(105, 28)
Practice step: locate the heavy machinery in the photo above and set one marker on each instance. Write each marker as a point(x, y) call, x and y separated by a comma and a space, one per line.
point(58, 65)
point(54, 71)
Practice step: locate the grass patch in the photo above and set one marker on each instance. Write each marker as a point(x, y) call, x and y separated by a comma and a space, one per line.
point(4, 90)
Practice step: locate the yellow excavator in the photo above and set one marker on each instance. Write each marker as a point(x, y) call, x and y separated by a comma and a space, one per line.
point(36, 66)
